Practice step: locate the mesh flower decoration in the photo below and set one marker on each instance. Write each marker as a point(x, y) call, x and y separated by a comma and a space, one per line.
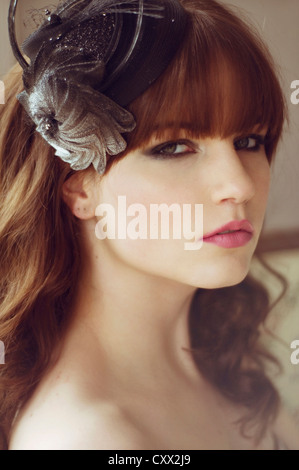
point(82, 124)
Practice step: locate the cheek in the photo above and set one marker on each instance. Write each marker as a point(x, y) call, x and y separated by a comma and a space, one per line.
point(259, 171)
point(143, 187)
point(131, 198)
point(263, 178)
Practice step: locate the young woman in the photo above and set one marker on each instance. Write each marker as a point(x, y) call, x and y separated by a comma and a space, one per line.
point(123, 343)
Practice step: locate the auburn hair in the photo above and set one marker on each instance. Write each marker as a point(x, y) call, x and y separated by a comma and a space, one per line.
point(221, 82)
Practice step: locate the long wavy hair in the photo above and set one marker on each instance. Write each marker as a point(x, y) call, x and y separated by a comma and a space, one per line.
point(222, 82)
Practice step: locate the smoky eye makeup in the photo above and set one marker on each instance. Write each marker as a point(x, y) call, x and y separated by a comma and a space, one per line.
point(171, 149)
point(182, 148)
point(250, 142)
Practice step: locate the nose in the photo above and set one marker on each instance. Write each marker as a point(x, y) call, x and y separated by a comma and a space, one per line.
point(231, 179)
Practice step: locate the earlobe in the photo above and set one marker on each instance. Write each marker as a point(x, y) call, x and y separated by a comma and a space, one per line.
point(78, 196)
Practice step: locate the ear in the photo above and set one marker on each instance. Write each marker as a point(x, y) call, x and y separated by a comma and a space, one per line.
point(78, 194)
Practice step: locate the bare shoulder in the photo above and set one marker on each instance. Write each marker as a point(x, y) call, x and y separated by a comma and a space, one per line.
point(62, 420)
point(97, 428)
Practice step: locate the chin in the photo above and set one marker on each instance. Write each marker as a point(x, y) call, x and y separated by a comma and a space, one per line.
point(217, 277)
point(232, 282)
point(220, 285)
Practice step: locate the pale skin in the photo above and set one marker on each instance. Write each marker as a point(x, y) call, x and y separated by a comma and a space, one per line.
point(123, 379)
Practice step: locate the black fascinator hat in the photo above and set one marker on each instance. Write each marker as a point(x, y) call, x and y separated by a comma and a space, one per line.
point(89, 60)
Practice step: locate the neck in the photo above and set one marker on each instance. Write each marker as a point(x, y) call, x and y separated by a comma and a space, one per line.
point(137, 322)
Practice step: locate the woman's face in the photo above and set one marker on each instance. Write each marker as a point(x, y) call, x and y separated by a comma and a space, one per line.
point(228, 177)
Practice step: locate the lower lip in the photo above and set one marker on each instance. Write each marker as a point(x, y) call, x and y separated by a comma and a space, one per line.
point(230, 240)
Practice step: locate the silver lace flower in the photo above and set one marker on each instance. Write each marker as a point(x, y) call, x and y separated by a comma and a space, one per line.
point(82, 124)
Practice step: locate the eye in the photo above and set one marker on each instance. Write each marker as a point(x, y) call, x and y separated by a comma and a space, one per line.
point(172, 149)
point(252, 142)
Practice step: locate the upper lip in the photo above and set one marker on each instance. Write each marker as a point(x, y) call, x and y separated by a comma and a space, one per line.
point(234, 225)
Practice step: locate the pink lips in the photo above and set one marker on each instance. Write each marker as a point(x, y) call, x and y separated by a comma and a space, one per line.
point(240, 232)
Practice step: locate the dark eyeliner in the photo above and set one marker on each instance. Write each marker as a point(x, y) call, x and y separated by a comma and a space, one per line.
point(260, 142)
point(157, 151)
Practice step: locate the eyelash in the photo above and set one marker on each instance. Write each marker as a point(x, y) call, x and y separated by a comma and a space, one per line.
point(260, 141)
point(159, 151)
